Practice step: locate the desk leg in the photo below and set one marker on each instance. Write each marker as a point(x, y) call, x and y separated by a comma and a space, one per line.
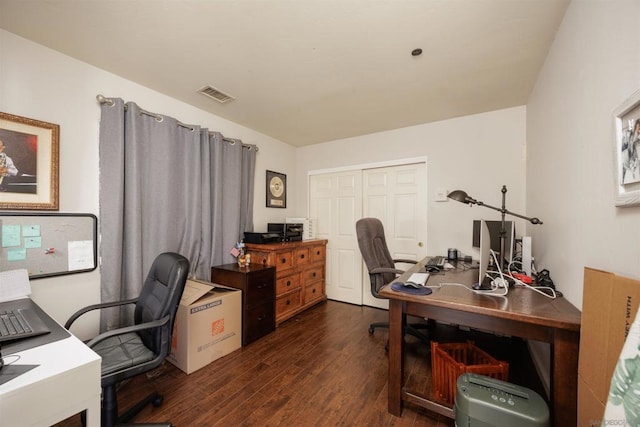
point(396, 357)
point(564, 380)
point(93, 413)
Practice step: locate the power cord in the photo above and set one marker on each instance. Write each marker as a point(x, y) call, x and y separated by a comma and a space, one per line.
point(544, 286)
point(543, 283)
point(497, 283)
point(5, 362)
point(485, 292)
point(546, 291)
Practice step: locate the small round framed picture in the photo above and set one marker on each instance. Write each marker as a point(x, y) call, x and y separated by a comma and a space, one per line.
point(276, 190)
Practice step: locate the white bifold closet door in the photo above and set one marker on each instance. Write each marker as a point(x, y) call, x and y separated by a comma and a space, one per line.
point(396, 195)
point(335, 200)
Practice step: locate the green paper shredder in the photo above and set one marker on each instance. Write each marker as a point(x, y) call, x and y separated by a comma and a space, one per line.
point(483, 401)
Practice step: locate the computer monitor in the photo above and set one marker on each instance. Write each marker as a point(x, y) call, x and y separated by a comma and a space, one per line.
point(493, 228)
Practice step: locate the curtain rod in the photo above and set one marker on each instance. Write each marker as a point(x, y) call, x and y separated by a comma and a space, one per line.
point(110, 102)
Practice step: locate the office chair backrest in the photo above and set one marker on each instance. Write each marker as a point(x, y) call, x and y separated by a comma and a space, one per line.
point(160, 295)
point(374, 250)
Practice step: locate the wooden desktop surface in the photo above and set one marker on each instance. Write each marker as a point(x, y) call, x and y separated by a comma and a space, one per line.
point(522, 313)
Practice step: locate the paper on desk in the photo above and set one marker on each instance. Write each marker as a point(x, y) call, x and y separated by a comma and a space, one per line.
point(14, 284)
point(418, 278)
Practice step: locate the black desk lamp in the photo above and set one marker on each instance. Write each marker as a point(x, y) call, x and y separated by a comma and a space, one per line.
point(463, 197)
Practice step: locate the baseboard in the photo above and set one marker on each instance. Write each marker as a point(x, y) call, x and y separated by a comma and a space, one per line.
point(541, 356)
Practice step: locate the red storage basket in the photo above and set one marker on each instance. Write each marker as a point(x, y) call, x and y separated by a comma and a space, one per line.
point(449, 361)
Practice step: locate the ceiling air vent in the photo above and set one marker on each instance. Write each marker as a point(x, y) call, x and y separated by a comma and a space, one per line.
point(214, 93)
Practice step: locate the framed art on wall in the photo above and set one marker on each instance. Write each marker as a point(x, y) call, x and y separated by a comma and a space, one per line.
point(627, 152)
point(29, 153)
point(276, 190)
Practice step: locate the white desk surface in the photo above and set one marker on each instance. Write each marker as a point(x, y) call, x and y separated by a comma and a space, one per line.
point(66, 382)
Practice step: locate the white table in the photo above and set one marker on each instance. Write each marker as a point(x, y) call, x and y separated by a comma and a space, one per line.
point(66, 382)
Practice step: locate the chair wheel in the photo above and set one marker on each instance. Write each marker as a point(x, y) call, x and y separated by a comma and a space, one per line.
point(370, 330)
point(157, 401)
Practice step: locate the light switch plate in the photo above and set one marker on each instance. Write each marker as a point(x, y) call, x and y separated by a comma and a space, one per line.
point(441, 195)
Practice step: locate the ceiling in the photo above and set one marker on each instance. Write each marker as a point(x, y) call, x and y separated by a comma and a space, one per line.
point(309, 71)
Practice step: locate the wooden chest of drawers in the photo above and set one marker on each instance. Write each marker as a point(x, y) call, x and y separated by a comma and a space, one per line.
point(257, 283)
point(300, 273)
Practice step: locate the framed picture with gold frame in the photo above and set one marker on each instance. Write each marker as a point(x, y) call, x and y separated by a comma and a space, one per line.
point(276, 190)
point(29, 160)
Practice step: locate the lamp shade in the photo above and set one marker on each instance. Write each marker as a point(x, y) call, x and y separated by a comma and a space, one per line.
point(460, 196)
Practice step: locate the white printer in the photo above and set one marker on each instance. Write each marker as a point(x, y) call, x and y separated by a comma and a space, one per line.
point(483, 401)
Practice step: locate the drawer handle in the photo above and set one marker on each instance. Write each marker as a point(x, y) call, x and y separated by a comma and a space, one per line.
point(283, 260)
point(313, 291)
point(288, 302)
point(261, 285)
point(301, 256)
point(313, 274)
point(318, 253)
point(288, 282)
point(260, 319)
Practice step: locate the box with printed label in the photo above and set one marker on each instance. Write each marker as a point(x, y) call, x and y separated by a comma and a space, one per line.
point(609, 305)
point(208, 325)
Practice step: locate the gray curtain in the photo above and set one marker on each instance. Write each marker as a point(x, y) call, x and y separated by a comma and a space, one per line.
point(165, 186)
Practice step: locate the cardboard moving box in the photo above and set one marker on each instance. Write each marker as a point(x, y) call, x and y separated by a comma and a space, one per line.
point(609, 305)
point(208, 325)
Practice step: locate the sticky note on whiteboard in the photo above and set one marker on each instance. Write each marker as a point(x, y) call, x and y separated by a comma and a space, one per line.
point(31, 231)
point(10, 235)
point(33, 242)
point(16, 254)
point(80, 255)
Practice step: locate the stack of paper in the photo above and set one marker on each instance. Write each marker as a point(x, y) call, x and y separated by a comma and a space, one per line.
point(14, 284)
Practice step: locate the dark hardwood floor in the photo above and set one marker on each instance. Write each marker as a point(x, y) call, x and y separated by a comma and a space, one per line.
point(321, 368)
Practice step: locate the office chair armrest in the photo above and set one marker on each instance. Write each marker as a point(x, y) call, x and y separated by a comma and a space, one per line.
point(406, 261)
point(89, 308)
point(128, 329)
point(380, 270)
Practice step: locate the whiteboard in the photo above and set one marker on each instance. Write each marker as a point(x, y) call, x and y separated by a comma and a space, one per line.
point(48, 244)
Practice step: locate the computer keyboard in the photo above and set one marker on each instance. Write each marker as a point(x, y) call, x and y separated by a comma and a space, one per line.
point(12, 323)
point(436, 261)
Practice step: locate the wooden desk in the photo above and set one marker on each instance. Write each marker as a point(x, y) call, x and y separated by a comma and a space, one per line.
point(65, 382)
point(522, 313)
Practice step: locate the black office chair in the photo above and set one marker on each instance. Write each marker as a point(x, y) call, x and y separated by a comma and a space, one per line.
point(139, 348)
point(382, 268)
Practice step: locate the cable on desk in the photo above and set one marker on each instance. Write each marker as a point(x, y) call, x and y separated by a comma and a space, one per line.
point(542, 290)
point(6, 362)
point(496, 282)
point(546, 291)
point(463, 266)
point(487, 292)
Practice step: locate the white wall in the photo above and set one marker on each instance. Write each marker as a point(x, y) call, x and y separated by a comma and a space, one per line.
point(593, 66)
point(42, 84)
point(478, 154)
